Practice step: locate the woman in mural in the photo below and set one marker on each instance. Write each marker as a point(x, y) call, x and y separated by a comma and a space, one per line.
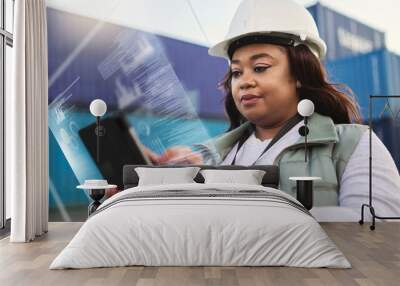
point(274, 52)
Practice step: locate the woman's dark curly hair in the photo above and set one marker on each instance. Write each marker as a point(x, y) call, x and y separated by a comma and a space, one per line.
point(333, 100)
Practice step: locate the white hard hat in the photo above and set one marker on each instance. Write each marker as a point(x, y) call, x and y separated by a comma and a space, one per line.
point(277, 21)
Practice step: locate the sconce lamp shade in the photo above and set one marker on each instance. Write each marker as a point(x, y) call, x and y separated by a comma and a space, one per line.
point(305, 108)
point(98, 107)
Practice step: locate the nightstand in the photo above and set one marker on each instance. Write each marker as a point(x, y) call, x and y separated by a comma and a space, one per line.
point(304, 190)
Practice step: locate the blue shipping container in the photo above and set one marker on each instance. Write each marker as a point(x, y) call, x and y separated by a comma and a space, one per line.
point(343, 35)
point(375, 73)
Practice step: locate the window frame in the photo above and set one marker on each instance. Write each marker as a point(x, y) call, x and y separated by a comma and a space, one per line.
point(6, 39)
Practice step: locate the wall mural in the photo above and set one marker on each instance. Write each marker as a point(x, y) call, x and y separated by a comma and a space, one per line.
point(160, 92)
point(163, 91)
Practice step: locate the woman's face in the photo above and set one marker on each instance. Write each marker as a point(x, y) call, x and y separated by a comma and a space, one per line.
point(262, 86)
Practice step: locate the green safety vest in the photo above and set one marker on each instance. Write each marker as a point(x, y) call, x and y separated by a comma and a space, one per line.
point(329, 145)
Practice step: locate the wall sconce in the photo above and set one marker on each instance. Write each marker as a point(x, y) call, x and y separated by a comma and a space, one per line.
point(304, 185)
point(98, 108)
point(305, 108)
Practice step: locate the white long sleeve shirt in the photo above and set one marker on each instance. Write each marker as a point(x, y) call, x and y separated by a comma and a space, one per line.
point(354, 184)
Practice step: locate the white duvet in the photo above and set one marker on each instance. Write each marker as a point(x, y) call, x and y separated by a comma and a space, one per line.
point(200, 231)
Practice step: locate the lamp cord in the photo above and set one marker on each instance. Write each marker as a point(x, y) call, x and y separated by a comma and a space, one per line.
point(98, 138)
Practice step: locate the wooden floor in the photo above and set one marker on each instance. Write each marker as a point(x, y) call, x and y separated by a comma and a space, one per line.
point(374, 255)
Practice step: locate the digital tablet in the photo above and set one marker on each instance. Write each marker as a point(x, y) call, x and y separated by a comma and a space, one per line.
point(119, 146)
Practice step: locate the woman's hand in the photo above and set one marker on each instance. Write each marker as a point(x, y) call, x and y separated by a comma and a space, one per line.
point(175, 155)
point(154, 158)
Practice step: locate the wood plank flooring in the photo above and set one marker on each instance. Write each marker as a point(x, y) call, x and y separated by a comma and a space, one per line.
point(374, 255)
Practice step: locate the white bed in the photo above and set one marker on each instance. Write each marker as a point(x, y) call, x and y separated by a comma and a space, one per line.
point(184, 230)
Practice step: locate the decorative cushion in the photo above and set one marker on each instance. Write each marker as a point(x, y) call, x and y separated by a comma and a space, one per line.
point(163, 176)
point(248, 177)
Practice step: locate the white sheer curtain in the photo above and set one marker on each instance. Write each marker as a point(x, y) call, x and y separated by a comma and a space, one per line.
point(26, 124)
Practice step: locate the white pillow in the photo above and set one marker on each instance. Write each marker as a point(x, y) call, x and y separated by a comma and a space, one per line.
point(248, 177)
point(164, 176)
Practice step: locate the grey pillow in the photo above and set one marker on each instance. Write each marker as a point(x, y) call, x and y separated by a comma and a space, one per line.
point(164, 176)
point(248, 177)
